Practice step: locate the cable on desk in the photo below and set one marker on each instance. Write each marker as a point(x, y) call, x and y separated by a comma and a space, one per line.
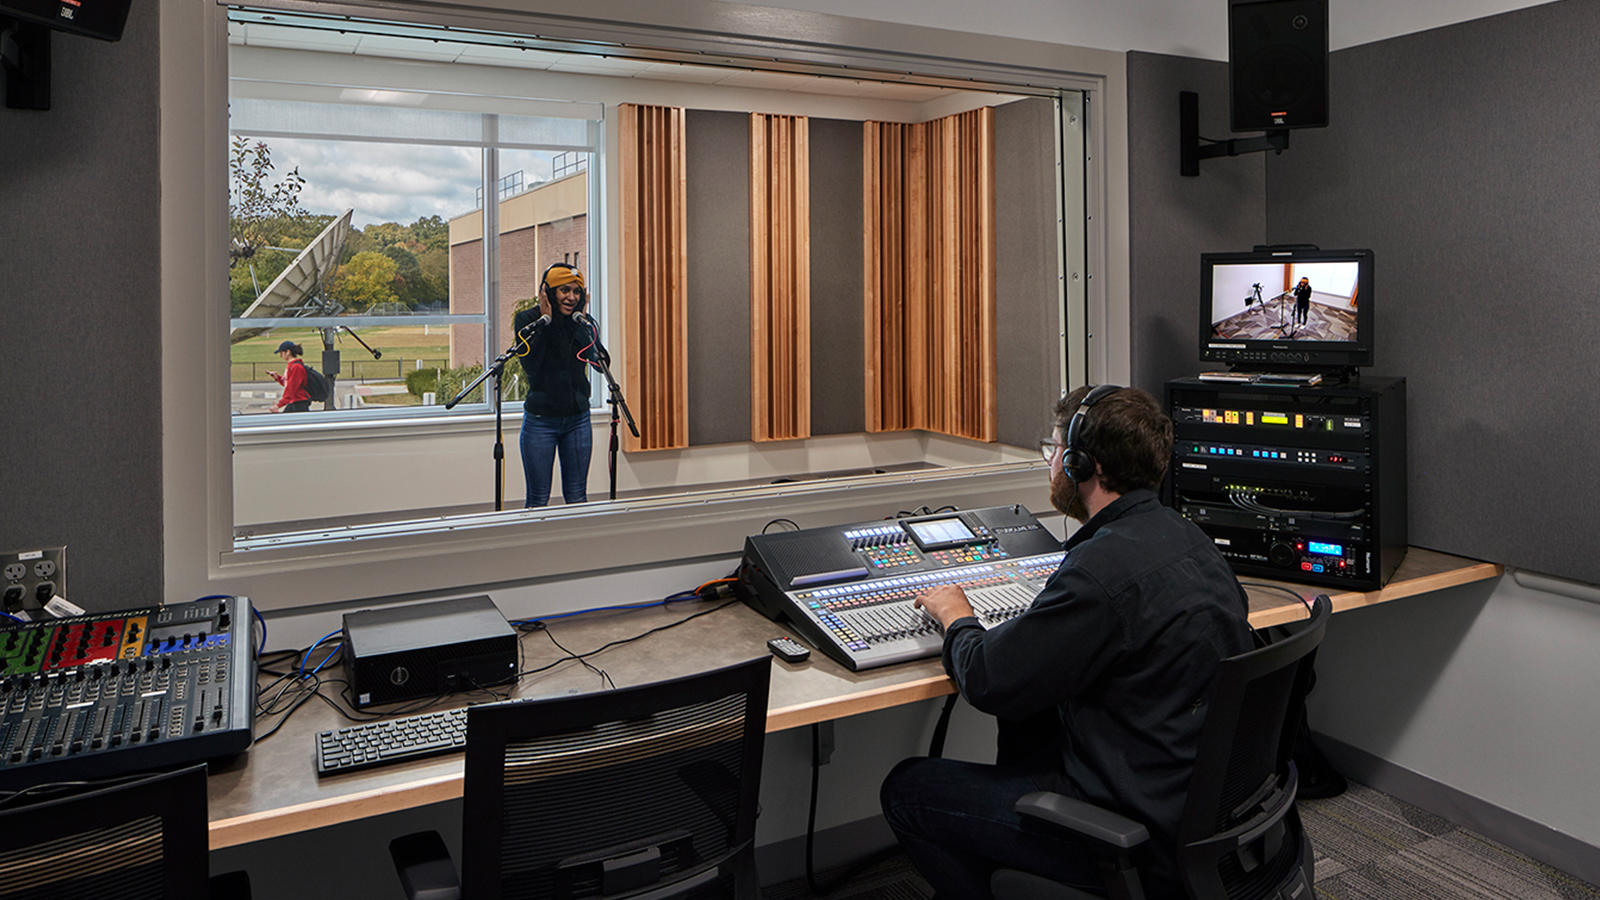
point(537, 625)
point(605, 677)
point(309, 650)
point(793, 525)
point(296, 686)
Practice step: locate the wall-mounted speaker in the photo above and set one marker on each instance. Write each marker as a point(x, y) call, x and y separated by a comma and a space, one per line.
point(102, 19)
point(1278, 64)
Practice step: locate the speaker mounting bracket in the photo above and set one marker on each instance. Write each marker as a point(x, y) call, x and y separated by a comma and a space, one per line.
point(1192, 151)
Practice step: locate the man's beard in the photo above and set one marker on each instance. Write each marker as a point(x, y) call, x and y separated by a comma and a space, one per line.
point(1067, 499)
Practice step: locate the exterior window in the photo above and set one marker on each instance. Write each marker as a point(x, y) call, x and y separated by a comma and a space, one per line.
point(359, 235)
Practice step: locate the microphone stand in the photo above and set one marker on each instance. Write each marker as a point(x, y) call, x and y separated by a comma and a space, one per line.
point(497, 368)
point(617, 401)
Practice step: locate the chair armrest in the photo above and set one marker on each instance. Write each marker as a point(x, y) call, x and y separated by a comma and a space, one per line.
point(1084, 819)
point(423, 863)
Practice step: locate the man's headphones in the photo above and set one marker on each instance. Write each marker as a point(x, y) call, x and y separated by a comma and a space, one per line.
point(1076, 462)
point(544, 285)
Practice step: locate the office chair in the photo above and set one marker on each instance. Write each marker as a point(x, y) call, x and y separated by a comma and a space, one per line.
point(643, 792)
point(1239, 835)
point(144, 838)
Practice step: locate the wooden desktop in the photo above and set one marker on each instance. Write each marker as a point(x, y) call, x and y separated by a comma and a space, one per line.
point(274, 790)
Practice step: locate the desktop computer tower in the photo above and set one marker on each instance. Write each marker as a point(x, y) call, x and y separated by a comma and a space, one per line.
point(1294, 483)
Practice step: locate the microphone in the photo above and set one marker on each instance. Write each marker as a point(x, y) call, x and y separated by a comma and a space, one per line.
point(584, 320)
point(534, 327)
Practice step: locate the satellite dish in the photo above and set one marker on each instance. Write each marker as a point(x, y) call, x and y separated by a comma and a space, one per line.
point(297, 290)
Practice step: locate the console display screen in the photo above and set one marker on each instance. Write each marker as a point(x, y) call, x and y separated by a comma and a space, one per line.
point(941, 532)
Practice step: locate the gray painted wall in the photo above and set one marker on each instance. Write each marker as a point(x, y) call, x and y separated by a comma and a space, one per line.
point(1175, 219)
point(1464, 157)
point(80, 444)
point(1027, 269)
point(1453, 154)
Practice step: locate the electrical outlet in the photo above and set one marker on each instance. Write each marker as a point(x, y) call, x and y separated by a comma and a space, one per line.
point(32, 577)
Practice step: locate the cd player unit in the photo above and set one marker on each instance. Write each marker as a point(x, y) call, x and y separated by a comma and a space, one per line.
point(427, 649)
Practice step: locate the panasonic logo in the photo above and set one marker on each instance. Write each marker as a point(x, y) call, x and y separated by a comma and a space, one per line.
point(1190, 465)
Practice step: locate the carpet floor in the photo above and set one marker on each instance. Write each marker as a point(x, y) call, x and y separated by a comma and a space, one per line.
point(1368, 845)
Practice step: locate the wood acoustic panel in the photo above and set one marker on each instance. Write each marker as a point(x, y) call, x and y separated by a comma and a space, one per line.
point(654, 266)
point(780, 277)
point(929, 251)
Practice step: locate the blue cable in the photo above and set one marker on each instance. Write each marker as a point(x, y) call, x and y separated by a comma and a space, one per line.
point(263, 620)
point(313, 647)
point(19, 621)
point(596, 609)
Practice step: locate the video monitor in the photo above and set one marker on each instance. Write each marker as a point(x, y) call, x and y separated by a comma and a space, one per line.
point(1287, 310)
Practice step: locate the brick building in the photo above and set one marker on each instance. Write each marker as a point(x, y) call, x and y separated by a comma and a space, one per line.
point(546, 224)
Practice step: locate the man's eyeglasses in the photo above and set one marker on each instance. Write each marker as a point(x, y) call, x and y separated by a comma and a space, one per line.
point(1048, 447)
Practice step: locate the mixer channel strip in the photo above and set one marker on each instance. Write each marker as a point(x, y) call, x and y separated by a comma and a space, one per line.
point(391, 740)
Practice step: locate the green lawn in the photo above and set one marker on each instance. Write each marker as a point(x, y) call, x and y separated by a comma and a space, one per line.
point(402, 344)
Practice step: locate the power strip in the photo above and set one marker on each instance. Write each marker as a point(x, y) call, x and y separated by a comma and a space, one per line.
point(32, 577)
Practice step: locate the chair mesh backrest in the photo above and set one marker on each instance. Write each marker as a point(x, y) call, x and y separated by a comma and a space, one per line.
point(1258, 735)
point(1243, 759)
point(143, 840)
point(598, 776)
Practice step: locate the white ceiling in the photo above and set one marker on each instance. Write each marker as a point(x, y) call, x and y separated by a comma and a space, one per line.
point(1182, 27)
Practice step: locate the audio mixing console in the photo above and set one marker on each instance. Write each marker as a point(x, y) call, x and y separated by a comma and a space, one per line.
point(102, 694)
point(849, 590)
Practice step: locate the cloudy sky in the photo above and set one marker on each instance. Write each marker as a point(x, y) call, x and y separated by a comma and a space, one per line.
point(394, 182)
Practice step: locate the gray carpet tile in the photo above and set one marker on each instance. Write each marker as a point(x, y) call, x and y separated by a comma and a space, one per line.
point(1368, 846)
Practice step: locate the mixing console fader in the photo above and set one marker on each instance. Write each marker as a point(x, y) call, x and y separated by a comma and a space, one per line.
point(849, 590)
point(97, 695)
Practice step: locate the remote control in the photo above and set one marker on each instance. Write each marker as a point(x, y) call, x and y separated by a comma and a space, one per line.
point(788, 649)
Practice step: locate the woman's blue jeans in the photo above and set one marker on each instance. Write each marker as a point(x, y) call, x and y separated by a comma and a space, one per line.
point(542, 438)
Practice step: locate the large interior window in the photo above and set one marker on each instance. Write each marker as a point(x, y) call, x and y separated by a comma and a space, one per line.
point(420, 183)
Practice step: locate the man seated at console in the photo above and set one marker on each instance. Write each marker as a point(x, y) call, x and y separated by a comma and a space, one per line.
point(1099, 687)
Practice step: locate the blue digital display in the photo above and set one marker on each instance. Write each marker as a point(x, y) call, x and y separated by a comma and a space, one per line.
point(1326, 549)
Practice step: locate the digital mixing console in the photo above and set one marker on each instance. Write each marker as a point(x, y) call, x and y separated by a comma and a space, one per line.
point(102, 694)
point(849, 590)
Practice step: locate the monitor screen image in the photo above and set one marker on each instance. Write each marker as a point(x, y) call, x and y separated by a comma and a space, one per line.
point(1296, 309)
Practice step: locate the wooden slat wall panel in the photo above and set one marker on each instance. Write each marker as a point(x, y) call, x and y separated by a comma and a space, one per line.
point(654, 262)
point(780, 278)
point(929, 240)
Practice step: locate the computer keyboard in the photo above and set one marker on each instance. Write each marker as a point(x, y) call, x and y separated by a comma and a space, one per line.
point(391, 740)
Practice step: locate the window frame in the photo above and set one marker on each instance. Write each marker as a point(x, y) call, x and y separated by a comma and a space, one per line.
point(198, 525)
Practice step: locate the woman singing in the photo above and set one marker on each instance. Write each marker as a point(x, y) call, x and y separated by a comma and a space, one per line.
point(552, 343)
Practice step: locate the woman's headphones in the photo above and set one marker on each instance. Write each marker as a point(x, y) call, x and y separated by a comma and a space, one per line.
point(544, 285)
point(1078, 463)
